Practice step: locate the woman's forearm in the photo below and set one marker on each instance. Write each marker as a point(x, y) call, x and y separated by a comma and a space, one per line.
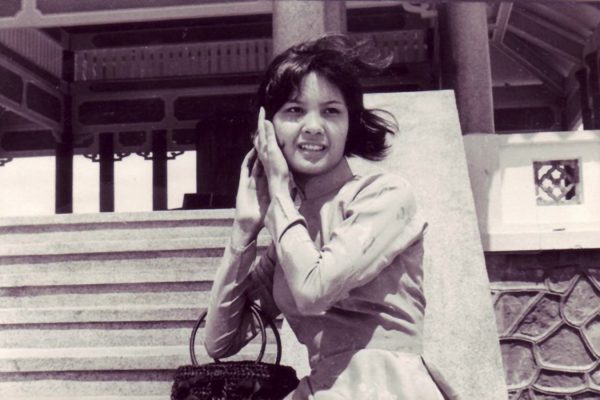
point(378, 225)
point(224, 334)
point(241, 237)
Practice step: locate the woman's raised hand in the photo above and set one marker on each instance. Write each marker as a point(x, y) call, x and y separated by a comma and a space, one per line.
point(275, 166)
point(251, 202)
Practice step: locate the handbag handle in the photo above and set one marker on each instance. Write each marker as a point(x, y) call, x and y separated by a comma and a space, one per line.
point(257, 313)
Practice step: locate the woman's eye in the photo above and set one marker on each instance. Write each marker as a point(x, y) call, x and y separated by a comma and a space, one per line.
point(332, 110)
point(293, 110)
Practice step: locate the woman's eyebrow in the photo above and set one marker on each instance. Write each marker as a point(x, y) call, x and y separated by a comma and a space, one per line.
point(327, 102)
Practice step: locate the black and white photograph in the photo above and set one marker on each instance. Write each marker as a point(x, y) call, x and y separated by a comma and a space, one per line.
point(299, 200)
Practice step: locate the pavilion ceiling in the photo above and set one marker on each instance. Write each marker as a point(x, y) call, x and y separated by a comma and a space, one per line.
point(537, 48)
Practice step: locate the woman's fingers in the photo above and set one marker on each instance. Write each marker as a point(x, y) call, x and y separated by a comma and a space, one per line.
point(270, 136)
point(249, 161)
point(257, 169)
point(265, 140)
point(261, 140)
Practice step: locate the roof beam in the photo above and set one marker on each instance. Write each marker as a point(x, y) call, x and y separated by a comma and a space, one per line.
point(75, 13)
point(525, 96)
point(545, 35)
point(553, 15)
point(504, 11)
point(522, 52)
point(38, 14)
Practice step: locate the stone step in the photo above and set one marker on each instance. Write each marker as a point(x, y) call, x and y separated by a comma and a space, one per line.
point(32, 224)
point(82, 384)
point(81, 387)
point(108, 334)
point(57, 234)
point(101, 306)
point(169, 267)
point(135, 244)
point(114, 227)
point(97, 359)
point(99, 334)
point(77, 397)
point(30, 298)
point(183, 312)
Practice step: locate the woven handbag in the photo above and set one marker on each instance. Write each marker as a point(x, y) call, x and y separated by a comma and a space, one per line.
point(235, 380)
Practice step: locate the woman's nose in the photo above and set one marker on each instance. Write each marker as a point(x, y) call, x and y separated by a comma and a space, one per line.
point(312, 123)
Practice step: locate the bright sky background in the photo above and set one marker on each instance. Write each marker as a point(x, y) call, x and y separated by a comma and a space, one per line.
point(28, 184)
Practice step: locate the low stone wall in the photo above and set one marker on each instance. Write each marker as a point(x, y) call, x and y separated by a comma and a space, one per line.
point(547, 307)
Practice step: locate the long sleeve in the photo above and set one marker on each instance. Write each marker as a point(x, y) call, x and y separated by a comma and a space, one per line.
point(241, 278)
point(379, 223)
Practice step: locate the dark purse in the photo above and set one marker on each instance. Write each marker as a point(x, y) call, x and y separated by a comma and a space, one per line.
point(233, 380)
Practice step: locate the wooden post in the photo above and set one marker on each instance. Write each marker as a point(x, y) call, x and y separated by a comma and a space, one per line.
point(159, 170)
point(107, 172)
point(64, 148)
point(587, 116)
point(593, 65)
point(206, 159)
point(64, 165)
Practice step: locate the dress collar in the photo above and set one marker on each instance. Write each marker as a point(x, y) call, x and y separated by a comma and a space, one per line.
point(329, 182)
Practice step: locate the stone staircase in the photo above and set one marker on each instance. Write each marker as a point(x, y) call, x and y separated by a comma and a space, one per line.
point(101, 306)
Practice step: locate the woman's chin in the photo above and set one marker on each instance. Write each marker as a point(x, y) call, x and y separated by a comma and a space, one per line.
point(308, 169)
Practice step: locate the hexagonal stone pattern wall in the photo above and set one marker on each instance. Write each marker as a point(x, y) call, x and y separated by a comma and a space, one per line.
point(547, 309)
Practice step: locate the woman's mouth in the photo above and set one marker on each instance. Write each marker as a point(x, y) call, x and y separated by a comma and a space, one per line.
point(311, 147)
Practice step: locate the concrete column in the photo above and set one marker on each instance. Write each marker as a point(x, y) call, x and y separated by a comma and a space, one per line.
point(469, 55)
point(107, 172)
point(298, 21)
point(159, 170)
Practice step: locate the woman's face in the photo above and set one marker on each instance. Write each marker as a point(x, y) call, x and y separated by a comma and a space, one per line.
point(312, 127)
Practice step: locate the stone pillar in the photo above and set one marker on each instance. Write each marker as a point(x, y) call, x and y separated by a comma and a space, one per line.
point(298, 21)
point(107, 172)
point(159, 170)
point(469, 57)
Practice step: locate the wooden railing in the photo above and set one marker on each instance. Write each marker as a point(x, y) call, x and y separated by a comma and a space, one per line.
point(214, 58)
point(36, 47)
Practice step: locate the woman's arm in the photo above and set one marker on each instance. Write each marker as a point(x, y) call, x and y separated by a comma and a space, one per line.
point(229, 324)
point(240, 279)
point(379, 223)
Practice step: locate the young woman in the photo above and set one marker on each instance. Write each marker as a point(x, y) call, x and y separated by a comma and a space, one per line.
point(345, 267)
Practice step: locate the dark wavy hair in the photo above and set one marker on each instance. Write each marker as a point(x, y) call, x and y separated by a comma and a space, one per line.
point(341, 60)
